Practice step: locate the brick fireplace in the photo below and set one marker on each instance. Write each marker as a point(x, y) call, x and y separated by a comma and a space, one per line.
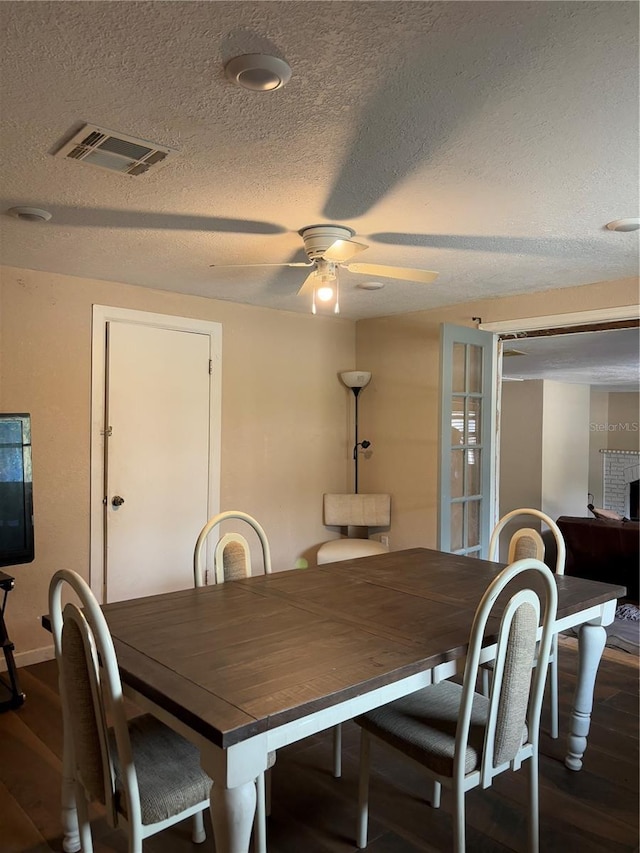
point(620, 475)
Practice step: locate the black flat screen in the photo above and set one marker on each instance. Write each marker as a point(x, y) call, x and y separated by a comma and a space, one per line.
point(16, 490)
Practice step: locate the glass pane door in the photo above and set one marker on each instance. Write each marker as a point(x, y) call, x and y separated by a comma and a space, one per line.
point(467, 440)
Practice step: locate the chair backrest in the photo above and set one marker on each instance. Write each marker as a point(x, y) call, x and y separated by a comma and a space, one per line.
point(91, 693)
point(232, 553)
point(517, 688)
point(530, 542)
point(232, 558)
point(357, 510)
point(526, 542)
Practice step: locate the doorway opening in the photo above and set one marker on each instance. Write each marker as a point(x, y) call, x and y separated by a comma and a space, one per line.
point(556, 433)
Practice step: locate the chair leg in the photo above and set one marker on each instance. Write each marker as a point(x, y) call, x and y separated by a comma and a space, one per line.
point(459, 841)
point(260, 821)
point(84, 827)
point(553, 686)
point(337, 751)
point(363, 790)
point(198, 834)
point(485, 681)
point(267, 791)
point(534, 816)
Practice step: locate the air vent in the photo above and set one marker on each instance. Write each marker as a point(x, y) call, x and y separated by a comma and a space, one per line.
point(114, 151)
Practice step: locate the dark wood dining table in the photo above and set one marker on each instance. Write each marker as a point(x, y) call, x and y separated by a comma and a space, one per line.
point(247, 667)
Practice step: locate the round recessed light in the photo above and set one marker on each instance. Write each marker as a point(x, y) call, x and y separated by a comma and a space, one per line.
point(258, 72)
point(632, 224)
point(371, 285)
point(30, 214)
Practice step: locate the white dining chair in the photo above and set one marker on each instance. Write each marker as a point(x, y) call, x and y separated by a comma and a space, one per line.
point(461, 738)
point(527, 542)
point(232, 555)
point(231, 561)
point(147, 776)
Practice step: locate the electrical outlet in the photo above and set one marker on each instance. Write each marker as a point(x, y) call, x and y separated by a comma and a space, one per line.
point(384, 540)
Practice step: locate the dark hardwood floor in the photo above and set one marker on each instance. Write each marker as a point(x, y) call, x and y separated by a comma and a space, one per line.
point(591, 811)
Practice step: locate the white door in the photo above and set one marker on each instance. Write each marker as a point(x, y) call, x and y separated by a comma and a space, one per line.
point(157, 427)
point(468, 430)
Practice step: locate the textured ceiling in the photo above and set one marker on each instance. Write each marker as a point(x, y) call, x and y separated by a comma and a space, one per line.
point(489, 141)
point(605, 360)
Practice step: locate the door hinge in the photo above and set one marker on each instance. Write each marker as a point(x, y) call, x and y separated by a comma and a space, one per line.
point(210, 366)
point(108, 432)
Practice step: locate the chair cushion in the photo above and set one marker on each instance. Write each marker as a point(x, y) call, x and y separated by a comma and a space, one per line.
point(170, 778)
point(423, 726)
point(348, 549)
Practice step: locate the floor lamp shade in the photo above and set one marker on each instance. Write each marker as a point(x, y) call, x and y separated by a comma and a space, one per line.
point(356, 378)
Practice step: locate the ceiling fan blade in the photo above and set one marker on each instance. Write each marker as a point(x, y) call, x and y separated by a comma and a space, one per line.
point(308, 284)
point(88, 217)
point(227, 266)
point(424, 276)
point(342, 250)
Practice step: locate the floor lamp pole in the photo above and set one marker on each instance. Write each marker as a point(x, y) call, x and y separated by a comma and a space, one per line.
point(356, 391)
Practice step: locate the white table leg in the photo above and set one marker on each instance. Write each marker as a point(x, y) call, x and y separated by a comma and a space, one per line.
point(232, 812)
point(591, 642)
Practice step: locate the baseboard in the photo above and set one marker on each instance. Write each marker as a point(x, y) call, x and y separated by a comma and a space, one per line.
point(27, 658)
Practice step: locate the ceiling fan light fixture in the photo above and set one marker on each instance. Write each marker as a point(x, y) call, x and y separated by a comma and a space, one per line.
point(258, 72)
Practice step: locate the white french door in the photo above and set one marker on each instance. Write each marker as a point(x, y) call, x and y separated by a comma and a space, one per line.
point(467, 440)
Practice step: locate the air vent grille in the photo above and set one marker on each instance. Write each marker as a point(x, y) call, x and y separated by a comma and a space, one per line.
point(93, 138)
point(116, 152)
point(78, 152)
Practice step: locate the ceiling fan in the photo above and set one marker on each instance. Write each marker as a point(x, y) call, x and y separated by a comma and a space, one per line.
point(328, 247)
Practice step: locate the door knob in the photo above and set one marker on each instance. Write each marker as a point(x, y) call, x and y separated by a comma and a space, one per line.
point(116, 500)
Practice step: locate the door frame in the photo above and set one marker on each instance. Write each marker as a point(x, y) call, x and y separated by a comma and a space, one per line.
point(557, 321)
point(102, 315)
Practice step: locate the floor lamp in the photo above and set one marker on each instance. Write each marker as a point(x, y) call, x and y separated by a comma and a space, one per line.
point(356, 380)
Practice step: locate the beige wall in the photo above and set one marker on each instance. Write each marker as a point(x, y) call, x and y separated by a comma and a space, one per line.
point(521, 445)
point(399, 410)
point(565, 454)
point(598, 414)
point(614, 424)
point(544, 447)
point(284, 417)
point(624, 415)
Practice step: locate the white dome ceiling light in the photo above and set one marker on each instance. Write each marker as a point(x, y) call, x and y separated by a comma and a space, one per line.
point(370, 285)
point(30, 214)
point(632, 224)
point(258, 72)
